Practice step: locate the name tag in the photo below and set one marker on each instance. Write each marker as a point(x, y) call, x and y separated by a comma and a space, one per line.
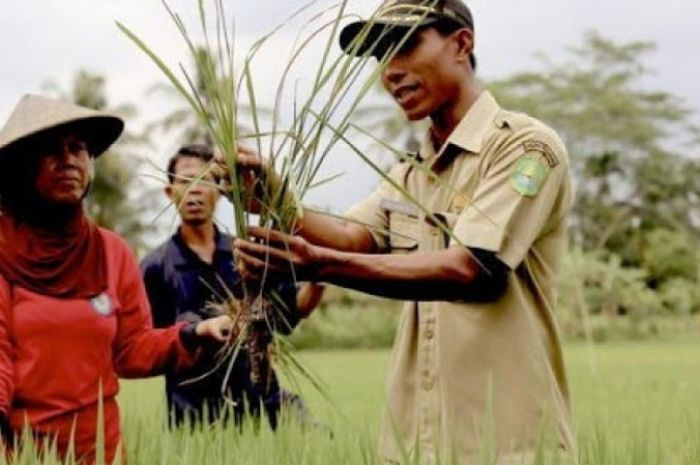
point(399, 207)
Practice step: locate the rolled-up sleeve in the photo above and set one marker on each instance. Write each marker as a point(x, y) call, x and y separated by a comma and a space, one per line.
point(521, 194)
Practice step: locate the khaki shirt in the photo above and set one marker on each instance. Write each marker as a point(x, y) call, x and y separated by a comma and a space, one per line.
point(503, 185)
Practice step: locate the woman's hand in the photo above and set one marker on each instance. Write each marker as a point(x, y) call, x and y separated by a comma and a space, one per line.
point(217, 328)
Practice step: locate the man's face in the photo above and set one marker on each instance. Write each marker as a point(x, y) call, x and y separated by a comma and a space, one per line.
point(424, 75)
point(63, 169)
point(194, 195)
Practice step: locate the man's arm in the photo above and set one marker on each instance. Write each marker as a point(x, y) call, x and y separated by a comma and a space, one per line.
point(456, 273)
point(335, 233)
point(309, 295)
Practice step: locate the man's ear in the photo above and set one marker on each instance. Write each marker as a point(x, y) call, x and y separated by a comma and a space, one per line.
point(170, 192)
point(464, 39)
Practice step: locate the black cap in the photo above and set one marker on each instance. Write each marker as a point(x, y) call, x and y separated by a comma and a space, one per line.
point(395, 18)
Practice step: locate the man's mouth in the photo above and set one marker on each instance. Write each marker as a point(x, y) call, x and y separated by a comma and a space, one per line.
point(404, 93)
point(194, 204)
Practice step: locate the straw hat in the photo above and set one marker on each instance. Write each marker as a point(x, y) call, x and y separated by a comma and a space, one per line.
point(35, 116)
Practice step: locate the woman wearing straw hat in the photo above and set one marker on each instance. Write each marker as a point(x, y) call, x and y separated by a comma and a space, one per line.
point(73, 311)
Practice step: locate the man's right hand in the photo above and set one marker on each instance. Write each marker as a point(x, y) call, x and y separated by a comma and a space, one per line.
point(261, 182)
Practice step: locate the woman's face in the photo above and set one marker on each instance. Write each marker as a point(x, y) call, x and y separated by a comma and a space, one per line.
point(63, 170)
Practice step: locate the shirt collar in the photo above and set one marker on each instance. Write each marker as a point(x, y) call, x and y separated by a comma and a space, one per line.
point(471, 131)
point(223, 241)
point(183, 255)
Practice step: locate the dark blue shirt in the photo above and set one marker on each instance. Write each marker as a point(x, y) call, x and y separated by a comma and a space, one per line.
point(181, 286)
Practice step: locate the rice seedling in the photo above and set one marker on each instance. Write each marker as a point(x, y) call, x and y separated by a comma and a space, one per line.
point(294, 151)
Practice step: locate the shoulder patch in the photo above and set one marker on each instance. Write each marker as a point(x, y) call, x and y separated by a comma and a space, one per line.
point(544, 149)
point(529, 176)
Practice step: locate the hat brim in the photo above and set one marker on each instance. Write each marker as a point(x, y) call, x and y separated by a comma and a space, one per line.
point(365, 38)
point(99, 132)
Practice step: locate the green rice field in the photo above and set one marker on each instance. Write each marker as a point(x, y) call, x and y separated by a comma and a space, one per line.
point(635, 404)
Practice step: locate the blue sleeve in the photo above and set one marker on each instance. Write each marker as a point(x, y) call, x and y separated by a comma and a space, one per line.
point(159, 296)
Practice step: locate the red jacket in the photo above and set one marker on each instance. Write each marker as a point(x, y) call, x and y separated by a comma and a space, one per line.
point(56, 355)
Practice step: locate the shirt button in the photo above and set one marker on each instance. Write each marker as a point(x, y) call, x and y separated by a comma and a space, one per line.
point(429, 334)
point(427, 384)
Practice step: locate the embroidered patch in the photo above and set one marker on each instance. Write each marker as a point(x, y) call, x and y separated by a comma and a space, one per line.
point(529, 176)
point(101, 304)
point(544, 149)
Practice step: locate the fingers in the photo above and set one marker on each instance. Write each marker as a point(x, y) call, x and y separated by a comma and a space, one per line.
point(245, 158)
point(271, 236)
point(248, 159)
point(252, 266)
point(258, 260)
point(220, 327)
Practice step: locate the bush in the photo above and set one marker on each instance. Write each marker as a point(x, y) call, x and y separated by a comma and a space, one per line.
point(348, 320)
point(599, 298)
point(669, 255)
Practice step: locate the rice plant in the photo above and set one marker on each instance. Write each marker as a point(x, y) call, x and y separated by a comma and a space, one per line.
point(294, 151)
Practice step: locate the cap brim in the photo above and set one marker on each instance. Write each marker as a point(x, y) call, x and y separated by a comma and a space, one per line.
point(100, 132)
point(365, 38)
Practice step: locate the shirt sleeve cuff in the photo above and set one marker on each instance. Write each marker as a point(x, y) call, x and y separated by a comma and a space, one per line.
point(189, 338)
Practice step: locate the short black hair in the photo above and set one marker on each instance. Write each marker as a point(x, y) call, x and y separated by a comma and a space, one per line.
point(201, 151)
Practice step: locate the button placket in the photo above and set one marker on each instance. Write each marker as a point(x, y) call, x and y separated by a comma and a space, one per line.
point(427, 374)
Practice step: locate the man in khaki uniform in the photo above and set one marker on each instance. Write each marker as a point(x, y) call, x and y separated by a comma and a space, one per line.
point(473, 243)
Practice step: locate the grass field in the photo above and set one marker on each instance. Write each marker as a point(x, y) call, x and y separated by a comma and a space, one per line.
point(635, 403)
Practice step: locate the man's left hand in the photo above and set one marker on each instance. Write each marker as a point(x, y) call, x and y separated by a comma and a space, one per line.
point(271, 253)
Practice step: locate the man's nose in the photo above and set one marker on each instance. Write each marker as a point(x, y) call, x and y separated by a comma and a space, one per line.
point(393, 73)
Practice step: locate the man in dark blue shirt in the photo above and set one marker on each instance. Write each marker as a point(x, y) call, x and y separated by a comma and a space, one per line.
point(188, 273)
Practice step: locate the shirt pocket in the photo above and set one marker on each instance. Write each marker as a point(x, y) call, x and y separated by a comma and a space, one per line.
point(404, 233)
point(440, 227)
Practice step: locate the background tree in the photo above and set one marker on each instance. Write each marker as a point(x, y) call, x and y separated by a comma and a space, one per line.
point(625, 142)
point(636, 220)
point(182, 122)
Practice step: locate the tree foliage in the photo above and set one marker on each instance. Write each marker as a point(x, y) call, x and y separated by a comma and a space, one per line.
point(636, 220)
point(626, 142)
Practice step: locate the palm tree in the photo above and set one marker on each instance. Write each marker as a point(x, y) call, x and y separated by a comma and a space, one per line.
point(182, 121)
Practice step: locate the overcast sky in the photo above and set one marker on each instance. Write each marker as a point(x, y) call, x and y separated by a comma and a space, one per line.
point(43, 40)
